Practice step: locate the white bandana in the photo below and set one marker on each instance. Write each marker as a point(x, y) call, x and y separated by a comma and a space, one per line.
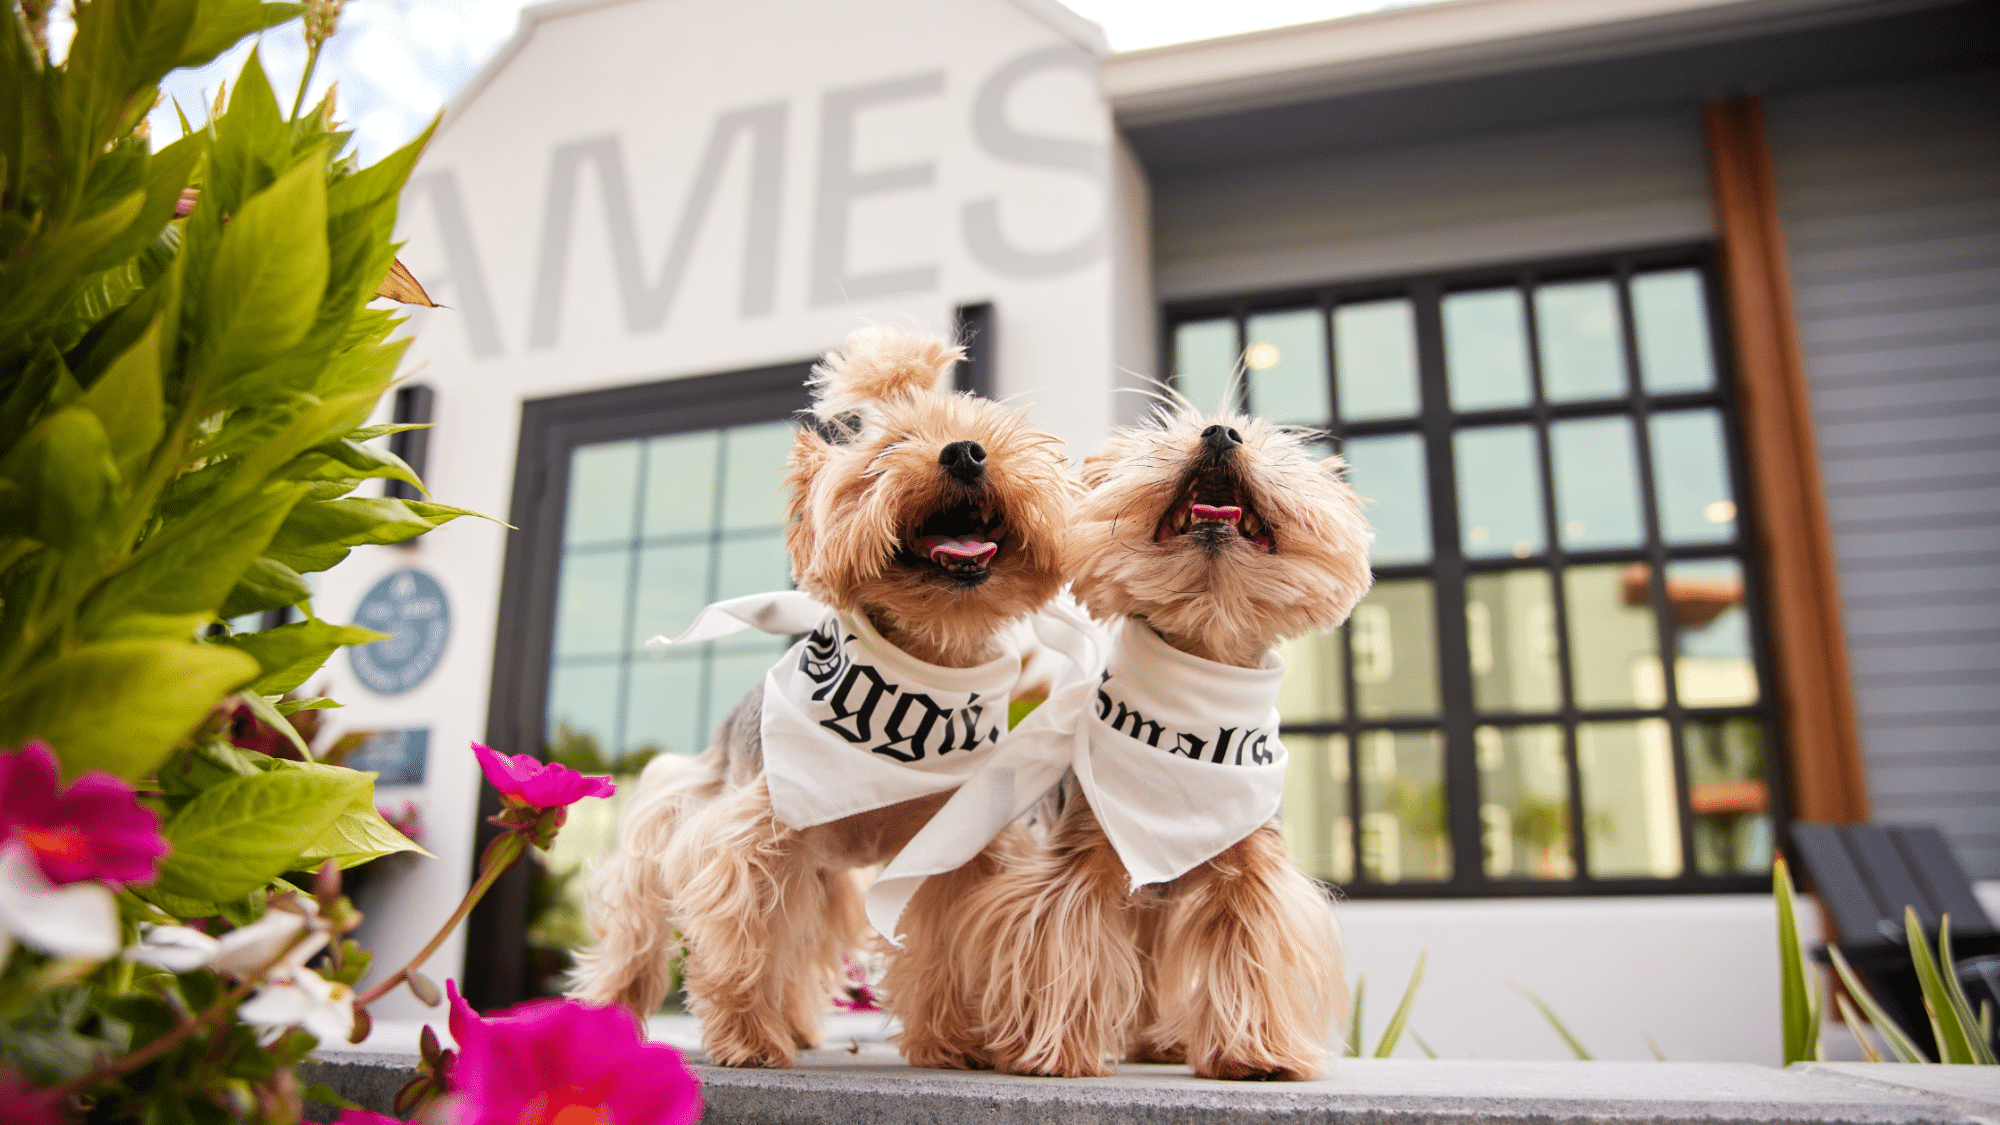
point(1178, 756)
point(851, 722)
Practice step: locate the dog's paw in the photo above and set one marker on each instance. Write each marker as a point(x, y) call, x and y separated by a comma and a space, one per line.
point(938, 1055)
point(1152, 1053)
point(1061, 1064)
point(1254, 1070)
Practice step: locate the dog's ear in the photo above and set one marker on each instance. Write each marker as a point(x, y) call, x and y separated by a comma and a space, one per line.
point(809, 454)
point(877, 365)
point(1096, 467)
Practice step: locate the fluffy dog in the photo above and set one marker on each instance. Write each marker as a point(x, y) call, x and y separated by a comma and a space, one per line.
point(933, 521)
point(1218, 536)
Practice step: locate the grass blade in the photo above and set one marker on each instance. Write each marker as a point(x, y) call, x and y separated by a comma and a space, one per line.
point(1549, 1014)
point(1986, 1021)
point(1394, 1032)
point(1797, 997)
point(1423, 1046)
point(1353, 1050)
point(1900, 1044)
point(1952, 1042)
point(1658, 1055)
point(1854, 1023)
point(1977, 1039)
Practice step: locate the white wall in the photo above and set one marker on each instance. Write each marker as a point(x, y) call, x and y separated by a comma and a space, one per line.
point(863, 155)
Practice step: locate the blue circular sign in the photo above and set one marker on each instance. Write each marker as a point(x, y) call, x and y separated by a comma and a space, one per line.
point(410, 606)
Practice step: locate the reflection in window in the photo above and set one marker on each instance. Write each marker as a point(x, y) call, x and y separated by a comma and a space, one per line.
point(1510, 639)
point(1312, 689)
point(1524, 802)
point(1582, 354)
point(1205, 353)
point(1375, 352)
point(1285, 364)
point(1691, 476)
point(1672, 314)
point(1499, 491)
point(1403, 823)
point(1394, 634)
point(1614, 647)
point(1630, 820)
point(1713, 665)
point(1388, 472)
point(1728, 795)
point(1486, 349)
point(1317, 824)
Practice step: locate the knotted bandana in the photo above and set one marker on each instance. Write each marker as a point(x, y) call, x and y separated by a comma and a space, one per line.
point(853, 723)
point(1178, 756)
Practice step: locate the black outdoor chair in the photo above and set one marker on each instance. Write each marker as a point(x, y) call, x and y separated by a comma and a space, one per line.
point(1864, 875)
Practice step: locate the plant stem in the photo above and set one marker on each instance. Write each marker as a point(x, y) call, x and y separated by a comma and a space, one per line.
point(305, 83)
point(491, 868)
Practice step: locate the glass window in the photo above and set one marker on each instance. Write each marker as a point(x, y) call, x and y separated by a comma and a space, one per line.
point(1375, 356)
point(603, 482)
point(1499, 491)
point(1564, 610)
point(1486, 349)
point(1583, 356)
point(1205, 354)
point(1285, 364)
point(1672, 315)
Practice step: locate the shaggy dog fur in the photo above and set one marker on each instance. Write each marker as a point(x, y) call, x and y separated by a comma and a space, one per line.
point(762, 911)
point(1234, 968)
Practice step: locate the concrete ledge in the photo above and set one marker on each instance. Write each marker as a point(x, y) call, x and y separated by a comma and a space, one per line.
point(870, 1084)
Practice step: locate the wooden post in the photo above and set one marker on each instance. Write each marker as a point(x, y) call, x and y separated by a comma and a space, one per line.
point(1815, 687)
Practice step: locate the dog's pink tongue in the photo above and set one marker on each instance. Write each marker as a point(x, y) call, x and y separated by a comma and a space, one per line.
point(944, 549)
point(1213, 513)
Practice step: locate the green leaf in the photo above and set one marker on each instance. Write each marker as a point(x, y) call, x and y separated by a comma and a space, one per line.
point(1978, 1037)
point(359, 835)
point(317, 703)
point(193, 565)
point(1901, 1045)
point(290, 654)
point(68, 480)
point(266, 584)
point(121, 706)
point(1353, 1048)
point(1576, 1047)
point(45, 278)
point(243, 833)
point(368, 461)
point(1798, 998)
point(263, 290)
point(1387, 1046)
point(128, 401)
point(267, 713)
point(1954, 1040)
point(318, 535)
point(224, 22)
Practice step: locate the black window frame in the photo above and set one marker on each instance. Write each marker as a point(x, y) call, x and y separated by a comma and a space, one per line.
point(496, 951)
point(1449, 568)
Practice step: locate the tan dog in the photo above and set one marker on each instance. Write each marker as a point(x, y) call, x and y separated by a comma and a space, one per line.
point(940, 519)
point(1222, 535)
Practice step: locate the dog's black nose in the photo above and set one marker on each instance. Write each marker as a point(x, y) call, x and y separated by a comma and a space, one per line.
point(1221, 439)
point(963, 459)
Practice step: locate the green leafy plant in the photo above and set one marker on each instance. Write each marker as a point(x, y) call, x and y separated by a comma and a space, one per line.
point(1798, 990)
point(1385, 1046)
point(1575, 1045)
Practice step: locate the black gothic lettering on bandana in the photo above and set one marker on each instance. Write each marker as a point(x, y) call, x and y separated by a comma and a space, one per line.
point(823, 656)
point(1127, 720)
point(845, 708)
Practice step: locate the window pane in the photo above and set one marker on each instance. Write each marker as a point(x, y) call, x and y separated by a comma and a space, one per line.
point(733, 673)
point(673, 586)
point(1582, 355)
point(1499, 491)
point(1672, 328)
point(1524, 802)
point(1630, 813)
point(1311, 691)
point(663, 709)
point(753, 461)
point(602, 482)
point(1394, 633)
point(1286, 366)
point(1614, 651)
point(680, 484)
point(1375, 360)
point(752, 565)
point(1317, 828)
point(1510, 631)
point(1486, 349)
point(1597, 483)
point(1403, 828)
point(1389, 472)
point(590, 602)
point(1713, 666)
point(1204, 359)
point(583, 705)
point(1691, 476)
point(1729, 797)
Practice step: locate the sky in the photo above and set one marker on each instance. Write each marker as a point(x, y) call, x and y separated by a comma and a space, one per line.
point(399, 61)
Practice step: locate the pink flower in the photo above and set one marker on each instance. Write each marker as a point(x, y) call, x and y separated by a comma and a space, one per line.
point(525, 780)
point(558, 1062)
point(95, 829)
point(363, 1117)
point(22, 1104)
point(855, 994)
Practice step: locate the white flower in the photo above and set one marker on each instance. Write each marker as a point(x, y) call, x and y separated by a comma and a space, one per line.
point(247, 950)
point(302, 998)
point(177, 949)
point(77, 921)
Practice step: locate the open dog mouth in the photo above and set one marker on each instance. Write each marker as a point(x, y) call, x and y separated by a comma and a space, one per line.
point(958, 543)
point(1214, 510)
